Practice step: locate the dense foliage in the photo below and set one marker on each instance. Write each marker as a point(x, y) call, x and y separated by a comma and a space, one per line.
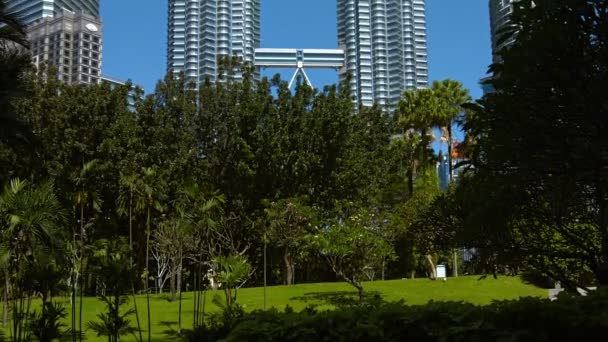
point(526, 319)
point(535, 195)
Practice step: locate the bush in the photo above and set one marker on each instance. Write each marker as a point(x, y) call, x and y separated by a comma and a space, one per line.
point(526, 319)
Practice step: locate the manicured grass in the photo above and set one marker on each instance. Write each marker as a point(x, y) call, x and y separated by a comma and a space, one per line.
point(418, 291)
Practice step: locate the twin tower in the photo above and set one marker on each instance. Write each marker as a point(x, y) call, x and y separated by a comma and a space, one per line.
point(381, 43)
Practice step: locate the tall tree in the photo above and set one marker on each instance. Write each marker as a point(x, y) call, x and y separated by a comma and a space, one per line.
point(539, 164)
point(451, 97)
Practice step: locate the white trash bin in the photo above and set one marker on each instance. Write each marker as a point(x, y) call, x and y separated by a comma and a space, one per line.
point(441, 272)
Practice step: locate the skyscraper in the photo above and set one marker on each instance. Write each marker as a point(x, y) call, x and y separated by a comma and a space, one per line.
point(72, 43)
point(34, 10)
point(500, 13)
point(385, 46)
point(65, 34)
point(201, 31)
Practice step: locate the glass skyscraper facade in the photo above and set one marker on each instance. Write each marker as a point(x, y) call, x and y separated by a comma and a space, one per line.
point(33, 10)
point(201, 31)
point(500, 14)
point(385, 46)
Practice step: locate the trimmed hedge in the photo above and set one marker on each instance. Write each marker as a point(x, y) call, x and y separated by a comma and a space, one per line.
point(527, 319)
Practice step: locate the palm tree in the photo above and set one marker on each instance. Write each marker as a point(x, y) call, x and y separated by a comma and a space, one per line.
point(14, 60)
point(146, 200)
point(12, 29)
point(129, 183)
point(110, 264)
point(203, 212)
point(234, 270)
point(29, 220)
point(451, 96)
point(84, 198)
point(417, 110)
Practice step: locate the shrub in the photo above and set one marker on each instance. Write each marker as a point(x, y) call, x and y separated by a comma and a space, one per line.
point(525, 319)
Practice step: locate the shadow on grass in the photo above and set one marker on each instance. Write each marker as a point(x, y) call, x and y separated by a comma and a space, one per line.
point(341, 298)
point(170, 332)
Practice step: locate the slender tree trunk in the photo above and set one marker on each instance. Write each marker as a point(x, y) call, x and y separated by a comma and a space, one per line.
point(288, 267)
point(81, 267)
point(131, 224)
point(413, 274)
point(602, 272)
point(410, 181)
point(146, 273)
point(5, 303)
point(179, 273)
point(433, 271)
point(264, 271)
point(228, 294)
point(359, 287)
point(172, 283)
point(450, 166)
point(179, 319)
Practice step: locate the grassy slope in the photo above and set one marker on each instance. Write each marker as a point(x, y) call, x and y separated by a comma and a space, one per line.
point(419, 291)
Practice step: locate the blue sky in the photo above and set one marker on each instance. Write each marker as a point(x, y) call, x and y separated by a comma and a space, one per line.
point(135, 37)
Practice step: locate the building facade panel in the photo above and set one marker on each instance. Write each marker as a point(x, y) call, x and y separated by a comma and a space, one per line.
point(385, 47)
point(71, 43)
point(34, 10)
point(500, 14)
point(201, 31)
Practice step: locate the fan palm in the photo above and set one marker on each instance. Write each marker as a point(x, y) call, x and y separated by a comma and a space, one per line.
point(29, 221)
point(14, 60)
point(12, 29)
point(233, 272)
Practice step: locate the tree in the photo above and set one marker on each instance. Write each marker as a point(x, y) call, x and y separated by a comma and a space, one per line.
point(234, 271)
point(30, 218)
point(173, 240)
point(289, 224)
point(353, 246)
point(15, 61)
point(538, 165)
point(451, 96)
point(110, 262)
point(417, 110)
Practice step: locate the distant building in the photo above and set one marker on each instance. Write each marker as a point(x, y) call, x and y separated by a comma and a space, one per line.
point(72, 43)
point(132, 96)
point(385, 48)
point(443, 171)
point(31, 11)
point(500, 17)
point(202, 31)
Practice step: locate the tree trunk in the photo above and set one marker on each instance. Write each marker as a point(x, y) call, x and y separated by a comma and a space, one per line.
point(179, 276)
point(5, 299)
point(172, 284)
point(131, 225)
point(410, 181)
point(359, 287)
point(288, 267)
point(413, 274)
point(228, 296)
point(433, 271)
point(602, 272)
point(450, 167)
point(383, 268)
point(81, 267)
point(146, 273)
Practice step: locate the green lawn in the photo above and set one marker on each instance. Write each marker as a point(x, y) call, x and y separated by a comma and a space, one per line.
point(419, 291)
